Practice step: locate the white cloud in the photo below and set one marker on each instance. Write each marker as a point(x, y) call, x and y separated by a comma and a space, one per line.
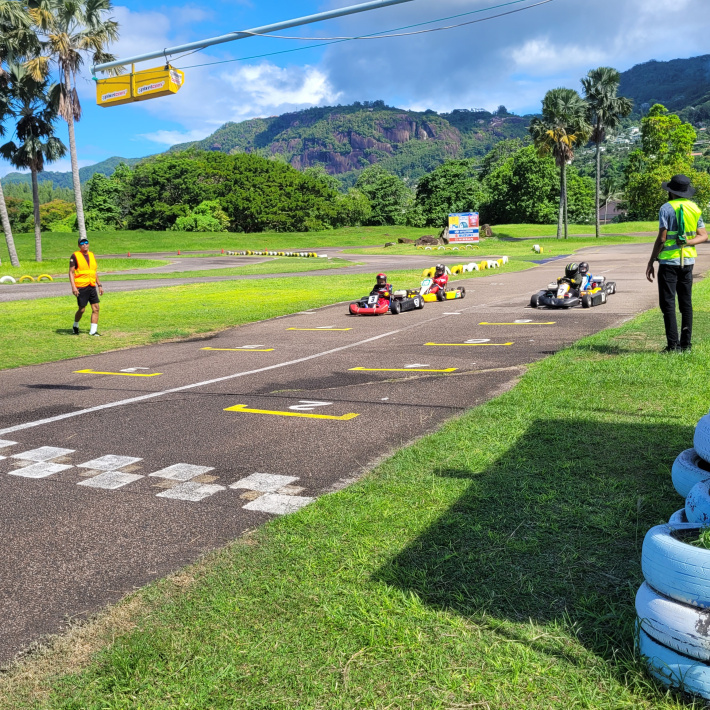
point(173, 137)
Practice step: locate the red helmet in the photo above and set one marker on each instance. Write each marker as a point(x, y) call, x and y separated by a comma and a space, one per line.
point(381, 279)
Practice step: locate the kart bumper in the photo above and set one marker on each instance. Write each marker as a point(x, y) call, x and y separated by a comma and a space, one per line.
point(554, 302)
point(357, 310)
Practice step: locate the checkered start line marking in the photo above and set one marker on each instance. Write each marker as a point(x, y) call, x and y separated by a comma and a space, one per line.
point(270, 493)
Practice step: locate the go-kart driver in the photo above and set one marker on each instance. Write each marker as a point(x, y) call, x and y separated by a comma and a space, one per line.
point(382, 289)
point(574, 275)
point(440, 279)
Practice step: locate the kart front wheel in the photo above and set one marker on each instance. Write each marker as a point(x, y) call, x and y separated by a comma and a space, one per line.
point(586, 301)
point(440, 295)
point(395, 308)
point(463, 292)
point(535, 300)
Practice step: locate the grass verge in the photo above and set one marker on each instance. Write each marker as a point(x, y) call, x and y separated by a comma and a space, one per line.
point(61, 245)
point(272, 266)
point(499, 247)
point(39, 330)
point(492, 564)
point(60, 267)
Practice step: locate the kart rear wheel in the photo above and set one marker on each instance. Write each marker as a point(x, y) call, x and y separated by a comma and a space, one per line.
point(586, 301)
point(463, 292)
point(535, 300)
point(611, 288)
point(395, 307)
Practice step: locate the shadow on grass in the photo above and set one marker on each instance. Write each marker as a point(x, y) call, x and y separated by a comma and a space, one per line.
point(551, 531)
point(64, 331)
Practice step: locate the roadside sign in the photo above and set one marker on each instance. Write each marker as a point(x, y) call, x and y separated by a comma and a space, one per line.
point(463, 228)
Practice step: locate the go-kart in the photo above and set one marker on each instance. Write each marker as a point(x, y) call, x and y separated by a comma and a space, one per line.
point(441, 295)
point(563, 295)
point(378, 303)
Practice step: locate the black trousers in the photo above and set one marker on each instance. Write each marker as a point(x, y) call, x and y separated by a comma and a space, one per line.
point(678, 280)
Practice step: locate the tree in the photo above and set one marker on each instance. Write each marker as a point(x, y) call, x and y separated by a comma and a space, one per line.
point(389, 197)
point(29, 104)
point(452, 187)
point(499, 154)
point(605, 111)
point(72, 29)
point(18, 40)
point(666, 145)
point(107, 199)
point(561, 128)
point(608, 192)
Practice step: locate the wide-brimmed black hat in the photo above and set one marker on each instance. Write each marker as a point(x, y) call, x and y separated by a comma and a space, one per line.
point(679, 185)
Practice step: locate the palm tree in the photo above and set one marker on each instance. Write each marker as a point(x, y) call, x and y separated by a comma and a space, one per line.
point(605, 112)
point(563, 125)
point(30, 105)
point(71, 29)
point(609, 191)
point(16, 38)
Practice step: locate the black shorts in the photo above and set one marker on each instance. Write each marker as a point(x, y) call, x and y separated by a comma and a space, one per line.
point(87, 294)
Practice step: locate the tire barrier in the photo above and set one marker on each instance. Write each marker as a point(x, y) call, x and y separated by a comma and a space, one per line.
point(697, 504)
point(45, 276)
point(537, 249)
point(688, 469)
point(483, 265)
point(251, 252)
point(701, 440)
point(7, 280)
point(22, 278)
point(673, 604)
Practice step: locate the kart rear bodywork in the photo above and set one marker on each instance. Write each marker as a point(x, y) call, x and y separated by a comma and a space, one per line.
point(395, 303)
point(562, 295)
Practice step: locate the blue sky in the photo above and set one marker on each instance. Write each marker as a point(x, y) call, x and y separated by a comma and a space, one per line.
point(511, 60)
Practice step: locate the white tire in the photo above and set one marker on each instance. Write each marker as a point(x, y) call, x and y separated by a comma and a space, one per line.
point(697, 504)
point(7, 280)
point(680, 627)
point(674, 669)
point(688, 469)
point(701, 440)
point(675, 568)
point(678, 517)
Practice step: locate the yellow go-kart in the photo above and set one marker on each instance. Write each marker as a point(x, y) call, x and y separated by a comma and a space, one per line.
point(441, 295)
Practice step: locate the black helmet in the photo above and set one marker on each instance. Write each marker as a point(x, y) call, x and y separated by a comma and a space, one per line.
point(439, 270)
point(584, 268)
point(381, 279)
point(571, 269)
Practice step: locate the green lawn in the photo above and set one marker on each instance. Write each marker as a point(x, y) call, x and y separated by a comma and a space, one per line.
point(550, 230)
point(492, 564)
point(499, 247)
point(272, 266)
point(60, 267)
point(61, 245)
point(39, 330)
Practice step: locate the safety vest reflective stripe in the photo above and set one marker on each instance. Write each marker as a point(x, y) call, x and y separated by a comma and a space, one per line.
point(691, 214)
point(84, 274)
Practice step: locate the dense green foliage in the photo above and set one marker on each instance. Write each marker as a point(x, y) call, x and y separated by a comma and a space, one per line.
point(525, 187)
point(389, 197)
point(666, 144)
point(47, 193)
point(22, 219)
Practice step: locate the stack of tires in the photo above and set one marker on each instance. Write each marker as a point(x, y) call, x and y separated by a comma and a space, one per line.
point(673, 604)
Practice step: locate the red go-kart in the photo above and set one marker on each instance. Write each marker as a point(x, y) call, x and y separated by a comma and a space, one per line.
point(380, 302)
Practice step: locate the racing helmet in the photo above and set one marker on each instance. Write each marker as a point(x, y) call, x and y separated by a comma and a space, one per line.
point(381, 279)
point(572, 269)
point(584, 268)
point(439, 270)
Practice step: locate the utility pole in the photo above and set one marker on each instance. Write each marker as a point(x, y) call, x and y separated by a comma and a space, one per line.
point(232, 36)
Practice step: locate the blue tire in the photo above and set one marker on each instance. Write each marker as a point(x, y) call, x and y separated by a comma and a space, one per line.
point(675, 669)
point(675, 568)
point(680, 627)
point(701, 440)
point(678, 517)
point(697, 504)
point(688, 469)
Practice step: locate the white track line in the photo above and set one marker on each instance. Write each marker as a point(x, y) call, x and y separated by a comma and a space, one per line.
point(142, 398)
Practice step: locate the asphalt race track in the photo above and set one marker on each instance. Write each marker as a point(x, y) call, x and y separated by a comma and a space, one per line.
point(119, 468)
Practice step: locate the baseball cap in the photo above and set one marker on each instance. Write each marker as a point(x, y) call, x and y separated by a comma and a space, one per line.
point(83, 240)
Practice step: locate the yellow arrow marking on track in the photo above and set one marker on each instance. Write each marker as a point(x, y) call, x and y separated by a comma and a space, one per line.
point(469, 345)
point(552, 322)
point(401, 369)
point(122, 374)
point(251, 350)
point(325, 330)
point(243, 408)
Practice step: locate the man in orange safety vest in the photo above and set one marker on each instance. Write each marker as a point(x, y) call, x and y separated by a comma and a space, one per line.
point(84, 282)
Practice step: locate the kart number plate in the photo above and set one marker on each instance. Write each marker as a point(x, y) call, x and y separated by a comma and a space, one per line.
point(372, 300)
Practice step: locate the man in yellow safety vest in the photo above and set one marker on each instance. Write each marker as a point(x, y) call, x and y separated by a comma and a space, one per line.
point(680, 228)
point(84, 282)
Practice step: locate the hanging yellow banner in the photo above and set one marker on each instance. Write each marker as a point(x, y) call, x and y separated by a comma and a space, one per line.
point(138, 86)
